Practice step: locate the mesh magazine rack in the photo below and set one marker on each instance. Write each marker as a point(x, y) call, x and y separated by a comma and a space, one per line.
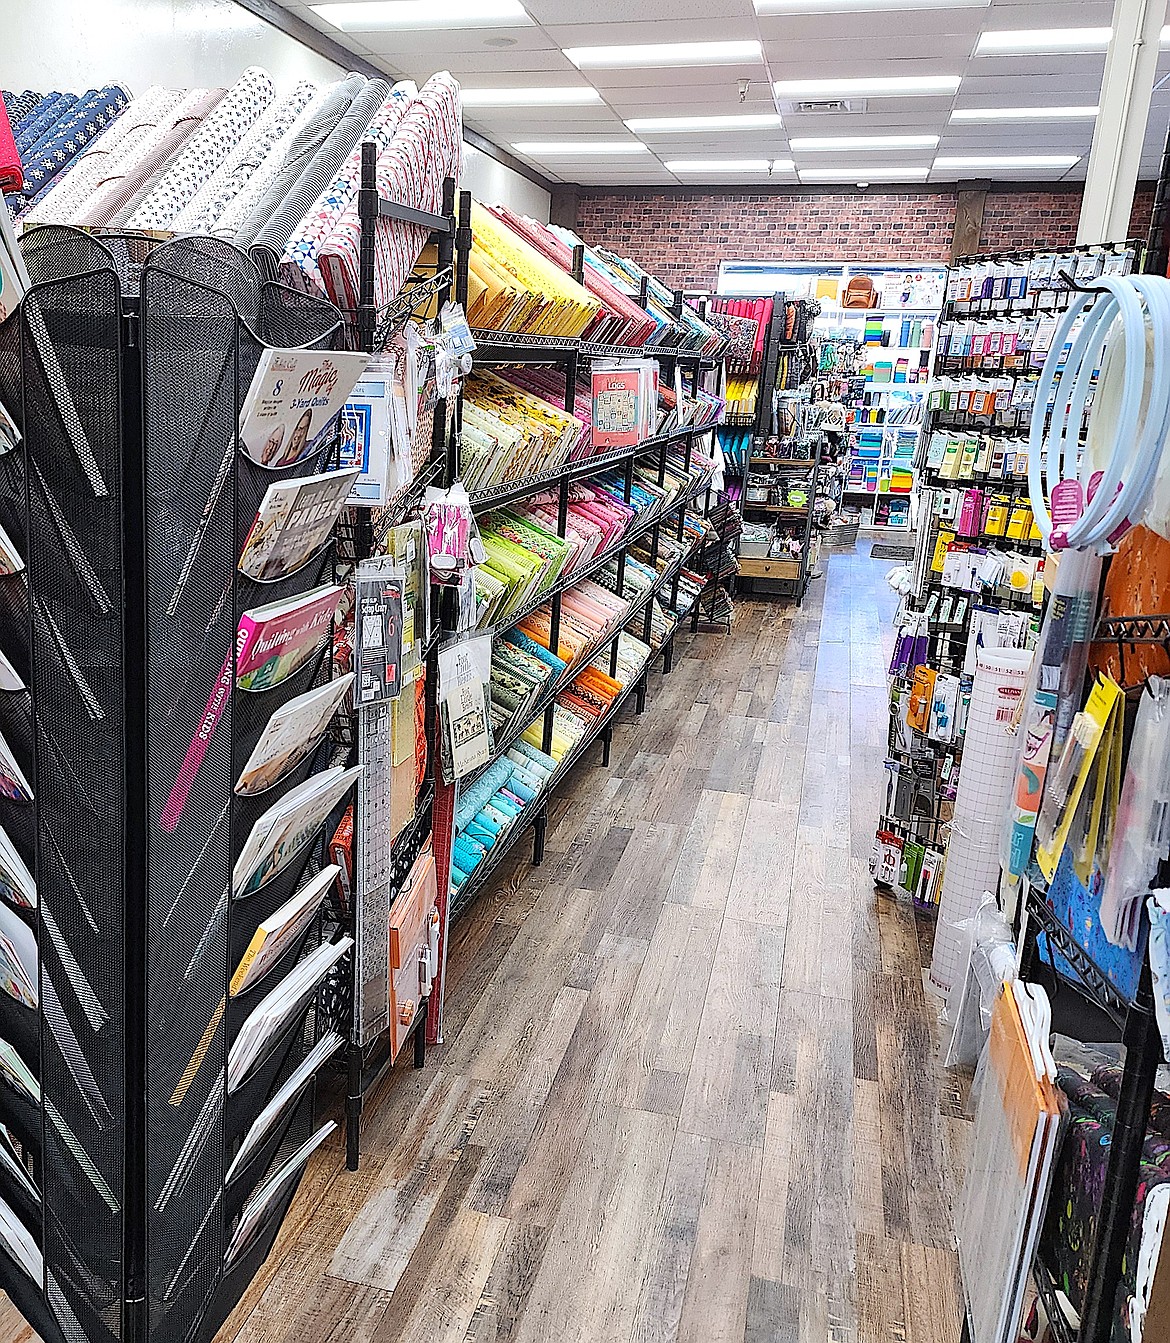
point(128, 360)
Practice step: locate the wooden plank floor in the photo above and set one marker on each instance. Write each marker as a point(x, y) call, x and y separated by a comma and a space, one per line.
point(688, 1091)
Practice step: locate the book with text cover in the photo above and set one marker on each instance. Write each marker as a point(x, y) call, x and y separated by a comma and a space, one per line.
point(295, 520)
point(278, 639)
point(258, 1208)
point(292, 733)
point(10, 558)
point(16, 882)
point(13, 785)
point(272, 642)
point(287, 826)
point(617, 407)
point(274, 1010)
point(14, 1068)
point(280, 930)
point(292, 401)
point(19, 958)
point(314, 1060)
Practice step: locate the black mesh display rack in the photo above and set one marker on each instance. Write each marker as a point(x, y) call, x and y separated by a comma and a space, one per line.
point(127, 363)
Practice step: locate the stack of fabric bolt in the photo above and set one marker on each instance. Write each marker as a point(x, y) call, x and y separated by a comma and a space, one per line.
point(277, 176)
point(489, 806)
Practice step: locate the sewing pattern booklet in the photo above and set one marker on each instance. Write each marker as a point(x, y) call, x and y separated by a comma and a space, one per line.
point(16, 882)
point(292, 401)
point(278, 639)
point(14, 1068)
point(9, 433)
point(378, 426)
point(276, 1007)
point(287, 826)
point(292, 733)
point(255, 1211)
point(280, 930)
point(19, 959)
point(10, 558)
point(13, 785)
point(295, 520)
point(464, 673)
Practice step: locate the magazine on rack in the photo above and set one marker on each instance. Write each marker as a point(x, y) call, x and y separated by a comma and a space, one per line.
point(10, 558)
point(16, 1071)
point(19, 960)
point(9, 433)
point(314, 1060)
point(9, 676)
point(278, 639)
point(292, 401)
point(292, 733)
point(280, 930)
point(21, 1244)
point(276, 1008)
point(257, 1208)
point(272, 643)
point(287, 826)
point(11, 1162)
point(16, 882)
point(13, 785)
point(295, 520)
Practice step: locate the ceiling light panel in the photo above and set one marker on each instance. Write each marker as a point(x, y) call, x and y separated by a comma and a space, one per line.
point(745, 121)
point(530, 97)
point(1042, 41)
point(983, 161)
point(563, 148)
point(1024, 113)
point(859, 6)
point(830, 143)
point(897, 86)
point(862, 172)
point(718, 165)
point(666, 53)
point(358, 16)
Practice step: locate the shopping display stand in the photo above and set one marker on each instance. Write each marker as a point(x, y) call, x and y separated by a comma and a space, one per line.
point(381, 867)
point(131, 361)
point(501, 349)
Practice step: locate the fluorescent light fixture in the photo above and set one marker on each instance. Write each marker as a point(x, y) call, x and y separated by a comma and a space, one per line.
point(783, 165)
point(894, 87)
point(667, 53)
point(598, 148)
point(864, 173)
point(366, 15)
point(1022, 41)
point(733, 122)
point(718, 165)
point(832, 142)
point(532, 97)
point(1007, 161)
point(766, 7)
point(1023, 113)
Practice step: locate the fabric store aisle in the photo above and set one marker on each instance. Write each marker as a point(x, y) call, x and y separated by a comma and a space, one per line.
point(688, 1090)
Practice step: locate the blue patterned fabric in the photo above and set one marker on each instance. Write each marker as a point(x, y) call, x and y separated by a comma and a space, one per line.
point(22, 105)
point(86, 120)
point(49, 111)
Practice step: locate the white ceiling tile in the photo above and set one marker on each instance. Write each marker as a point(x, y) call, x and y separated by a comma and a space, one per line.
point(795, 46)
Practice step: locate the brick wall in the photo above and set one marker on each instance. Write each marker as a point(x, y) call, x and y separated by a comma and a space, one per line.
point(681, 236)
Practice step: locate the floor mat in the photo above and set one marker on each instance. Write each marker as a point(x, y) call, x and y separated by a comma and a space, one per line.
point(883, 550)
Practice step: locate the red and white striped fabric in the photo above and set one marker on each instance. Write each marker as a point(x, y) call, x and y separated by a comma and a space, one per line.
point(426, 148)
point(299, 266)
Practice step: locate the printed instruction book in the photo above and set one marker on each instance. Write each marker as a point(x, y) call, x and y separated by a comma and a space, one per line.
point(292, 733)
point(278, 639)
point(274, 1010)
point(13, 785)
point(16, 882)
point(280, 930)
point(265, 1121)
point(19, 959)
point(292, 401)
point(287, 826)
point(272, 643)
point(294, 521)
point(259, 1207)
